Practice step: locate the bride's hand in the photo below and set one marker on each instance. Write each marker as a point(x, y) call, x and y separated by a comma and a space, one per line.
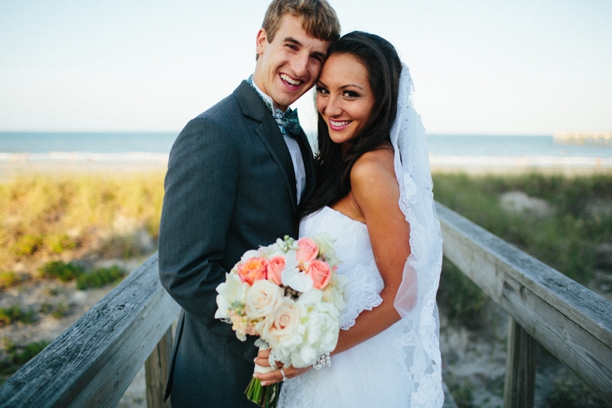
point(262, 358)
point(275, 376)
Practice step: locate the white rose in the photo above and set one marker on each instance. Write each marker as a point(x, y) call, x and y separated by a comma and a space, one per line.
point(283, 330)
point(323, 330)
point(230, 292)
point(262, 299)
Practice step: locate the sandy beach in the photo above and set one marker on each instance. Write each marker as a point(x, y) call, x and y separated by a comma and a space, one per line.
point(22, 165)
point(519, 164)
point(11, 169)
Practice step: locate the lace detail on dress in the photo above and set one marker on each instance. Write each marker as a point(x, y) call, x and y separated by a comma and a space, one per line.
point(361, 293)
point(296, 390)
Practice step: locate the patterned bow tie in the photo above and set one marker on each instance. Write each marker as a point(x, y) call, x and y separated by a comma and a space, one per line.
point(287, 121)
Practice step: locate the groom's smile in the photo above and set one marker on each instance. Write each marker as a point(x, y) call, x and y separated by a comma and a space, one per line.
point(289, 64)
point(290, 82)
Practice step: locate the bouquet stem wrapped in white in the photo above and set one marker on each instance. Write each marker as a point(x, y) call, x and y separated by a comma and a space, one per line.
point(289, 295)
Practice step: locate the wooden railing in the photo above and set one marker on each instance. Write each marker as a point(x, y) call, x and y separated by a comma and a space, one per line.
point(571, 322)
point(93, 362)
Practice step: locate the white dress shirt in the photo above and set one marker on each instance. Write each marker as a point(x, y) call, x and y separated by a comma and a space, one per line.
point(294, 152)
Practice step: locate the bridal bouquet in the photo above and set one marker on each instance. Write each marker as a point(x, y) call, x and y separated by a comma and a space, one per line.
point(289, 295)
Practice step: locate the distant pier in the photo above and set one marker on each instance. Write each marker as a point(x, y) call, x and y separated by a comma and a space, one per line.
point(604, 138)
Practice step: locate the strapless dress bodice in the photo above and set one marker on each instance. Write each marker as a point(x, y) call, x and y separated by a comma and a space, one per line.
point(353, 248)
point(371, 373)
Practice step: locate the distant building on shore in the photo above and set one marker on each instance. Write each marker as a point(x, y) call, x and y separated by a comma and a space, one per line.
point(584, 137)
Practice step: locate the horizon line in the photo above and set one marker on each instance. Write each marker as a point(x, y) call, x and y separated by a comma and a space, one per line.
point(428, 133)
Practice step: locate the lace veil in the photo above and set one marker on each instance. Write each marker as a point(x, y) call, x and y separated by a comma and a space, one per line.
point(416, 297)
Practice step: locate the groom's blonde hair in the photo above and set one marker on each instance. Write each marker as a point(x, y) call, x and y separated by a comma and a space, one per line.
point(319, 19)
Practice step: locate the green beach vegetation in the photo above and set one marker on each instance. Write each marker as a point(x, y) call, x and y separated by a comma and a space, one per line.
point(14, 313)
point(565, 237)
point(16, 356)
point(64, 218)
point(46, 218)
point(95, 278)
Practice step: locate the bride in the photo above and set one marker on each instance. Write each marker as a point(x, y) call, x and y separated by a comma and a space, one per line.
point(374, 196)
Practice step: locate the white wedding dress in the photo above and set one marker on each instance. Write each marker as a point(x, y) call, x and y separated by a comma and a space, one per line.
point(400, 367)
point(375, 373)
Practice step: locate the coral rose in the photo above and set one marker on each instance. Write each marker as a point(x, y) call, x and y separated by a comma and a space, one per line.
point(320, 273)
point(252, 269)
point(307, 250)
point(275, 269)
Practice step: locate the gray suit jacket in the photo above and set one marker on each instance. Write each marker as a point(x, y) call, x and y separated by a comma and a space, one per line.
point(230, 187)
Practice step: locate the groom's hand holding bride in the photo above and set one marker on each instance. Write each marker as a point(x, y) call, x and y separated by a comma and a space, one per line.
point(275, 376)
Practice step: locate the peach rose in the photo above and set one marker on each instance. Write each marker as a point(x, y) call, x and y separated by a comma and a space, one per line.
point(307, 250)
point(276, 267)
point(320, 273)
point(252, 269)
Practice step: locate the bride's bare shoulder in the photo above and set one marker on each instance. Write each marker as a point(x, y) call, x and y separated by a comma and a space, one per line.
point(373, 166)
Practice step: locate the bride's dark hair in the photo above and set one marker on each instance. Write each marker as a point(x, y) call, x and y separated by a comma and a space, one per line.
point(333, 167)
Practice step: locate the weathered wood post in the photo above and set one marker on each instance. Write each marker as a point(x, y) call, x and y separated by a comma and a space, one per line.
point(521, 362)
point(157, 368)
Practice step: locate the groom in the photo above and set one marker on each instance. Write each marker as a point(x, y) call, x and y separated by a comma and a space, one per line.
point(235, 177)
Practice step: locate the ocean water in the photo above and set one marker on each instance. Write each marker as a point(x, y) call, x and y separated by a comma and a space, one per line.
point(444, 150)
point(47, 142)
point(511, 146)
point(89, 147)
point(497, 151)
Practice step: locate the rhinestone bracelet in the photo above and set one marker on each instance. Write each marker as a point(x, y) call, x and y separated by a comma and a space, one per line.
point(324, 360)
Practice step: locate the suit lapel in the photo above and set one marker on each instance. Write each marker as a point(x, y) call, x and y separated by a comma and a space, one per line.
point(270, 135)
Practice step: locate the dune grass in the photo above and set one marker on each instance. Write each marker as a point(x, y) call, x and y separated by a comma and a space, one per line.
point(48, 216)
point(566, 238)
point(14, 313)
point(45, 216)
point(16, 356)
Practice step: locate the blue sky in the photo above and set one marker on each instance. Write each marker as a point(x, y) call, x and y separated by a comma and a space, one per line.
point(486, 67)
